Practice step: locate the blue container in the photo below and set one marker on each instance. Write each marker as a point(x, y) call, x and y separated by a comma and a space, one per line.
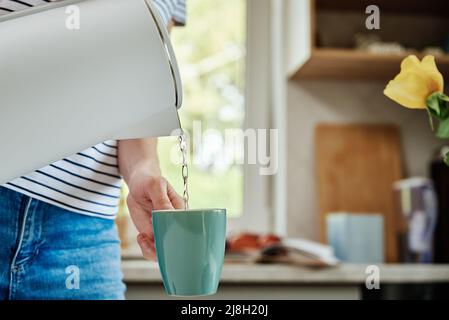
point(356, 238)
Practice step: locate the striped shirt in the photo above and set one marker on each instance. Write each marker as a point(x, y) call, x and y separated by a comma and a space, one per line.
point(89, 181)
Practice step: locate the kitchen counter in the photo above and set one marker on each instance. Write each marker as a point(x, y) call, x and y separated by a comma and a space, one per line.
point(148, 272)
point(240, 281)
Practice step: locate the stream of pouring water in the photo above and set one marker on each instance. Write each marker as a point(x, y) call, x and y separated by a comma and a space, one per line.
point(184, 169)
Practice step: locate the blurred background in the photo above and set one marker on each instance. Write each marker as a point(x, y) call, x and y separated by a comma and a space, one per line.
point(360, 179)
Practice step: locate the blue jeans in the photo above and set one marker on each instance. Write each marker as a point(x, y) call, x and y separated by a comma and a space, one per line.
point(50, 253)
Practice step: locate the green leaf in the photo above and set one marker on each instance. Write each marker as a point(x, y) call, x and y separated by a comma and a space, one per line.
point(446, 158)
point(443, 97)
point(443, 129)
point(432, 127)
point(437, 105)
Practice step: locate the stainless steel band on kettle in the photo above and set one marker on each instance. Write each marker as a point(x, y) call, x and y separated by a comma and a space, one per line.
point(170, 53)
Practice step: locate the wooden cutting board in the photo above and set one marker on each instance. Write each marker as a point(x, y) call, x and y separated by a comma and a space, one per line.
point(356, 166)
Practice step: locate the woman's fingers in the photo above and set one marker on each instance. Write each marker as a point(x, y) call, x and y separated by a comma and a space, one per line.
point(146, 244)
point(156, 192)
point(175, 198)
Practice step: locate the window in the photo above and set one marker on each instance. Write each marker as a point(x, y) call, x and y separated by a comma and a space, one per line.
point(224, 58)
point(211, 55)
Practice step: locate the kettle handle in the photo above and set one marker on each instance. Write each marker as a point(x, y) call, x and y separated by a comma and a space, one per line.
point(170, 52)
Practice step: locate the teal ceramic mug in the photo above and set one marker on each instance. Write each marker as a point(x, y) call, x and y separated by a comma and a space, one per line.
point(190, 247)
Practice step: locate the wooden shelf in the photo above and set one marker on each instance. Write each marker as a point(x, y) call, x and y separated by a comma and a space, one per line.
point(419, 7)
point(322, 48)
point(347, 64)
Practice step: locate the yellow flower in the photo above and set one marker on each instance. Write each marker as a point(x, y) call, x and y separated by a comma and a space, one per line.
point(416, 81)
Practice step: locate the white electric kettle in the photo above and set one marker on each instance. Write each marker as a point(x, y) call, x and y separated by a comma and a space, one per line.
point(63, 90)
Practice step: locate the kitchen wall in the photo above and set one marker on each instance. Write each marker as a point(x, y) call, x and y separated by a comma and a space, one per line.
point(311, 102)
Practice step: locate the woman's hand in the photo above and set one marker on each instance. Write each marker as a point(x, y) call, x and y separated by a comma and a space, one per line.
point(148, 190)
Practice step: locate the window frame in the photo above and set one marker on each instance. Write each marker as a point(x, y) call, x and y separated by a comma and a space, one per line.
point(257, 215)
point(264, 198)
